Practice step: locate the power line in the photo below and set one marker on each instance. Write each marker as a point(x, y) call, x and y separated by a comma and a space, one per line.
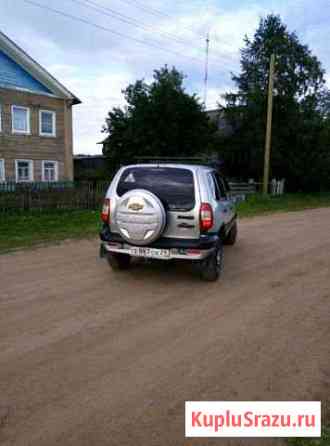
point(116, 33)
point(126, 19)
point(103, 28)
point(191, 30)
point(157, 13)
point(106, 29)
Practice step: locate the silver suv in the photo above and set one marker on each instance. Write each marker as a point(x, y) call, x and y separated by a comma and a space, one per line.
point(168, 211)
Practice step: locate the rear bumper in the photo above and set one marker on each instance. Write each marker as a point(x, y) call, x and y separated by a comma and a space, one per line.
point(188, 249)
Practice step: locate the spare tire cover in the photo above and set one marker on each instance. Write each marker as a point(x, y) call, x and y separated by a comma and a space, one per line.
point(140, 217)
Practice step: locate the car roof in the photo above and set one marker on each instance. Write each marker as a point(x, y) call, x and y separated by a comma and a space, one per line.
point(192, 167)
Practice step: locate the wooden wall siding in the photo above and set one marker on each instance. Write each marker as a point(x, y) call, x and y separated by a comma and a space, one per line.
point(33, 146)
point(13, 75)
point(68, 142)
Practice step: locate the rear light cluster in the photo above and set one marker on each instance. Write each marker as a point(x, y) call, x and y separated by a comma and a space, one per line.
point(105, 214)
point(205, 217)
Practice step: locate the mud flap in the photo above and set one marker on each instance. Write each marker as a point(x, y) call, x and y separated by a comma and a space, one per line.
point(103, 251)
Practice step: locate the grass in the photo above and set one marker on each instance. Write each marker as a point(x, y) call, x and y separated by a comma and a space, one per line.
point(259, 205)
point(29, 229)
point(25, 230)
point(323, 441)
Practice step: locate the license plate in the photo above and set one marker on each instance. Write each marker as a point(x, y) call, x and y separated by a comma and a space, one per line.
point(150, 252)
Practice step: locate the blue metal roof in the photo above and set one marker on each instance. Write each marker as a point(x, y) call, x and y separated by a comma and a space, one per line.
point(14, 76)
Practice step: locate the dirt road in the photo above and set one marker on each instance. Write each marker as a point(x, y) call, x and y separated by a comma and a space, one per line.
point(89, 357)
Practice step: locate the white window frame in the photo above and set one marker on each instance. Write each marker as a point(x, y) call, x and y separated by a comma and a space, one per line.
point(43, 170)
point(21, 132)
point(41, 133)
point(31, 171)
point(3, 177)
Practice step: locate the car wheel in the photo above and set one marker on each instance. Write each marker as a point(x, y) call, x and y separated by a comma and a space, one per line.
point(211, 267)
point(232, 235)
point(118, 261)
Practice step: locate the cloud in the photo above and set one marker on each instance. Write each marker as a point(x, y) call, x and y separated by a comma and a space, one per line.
point(99, 98)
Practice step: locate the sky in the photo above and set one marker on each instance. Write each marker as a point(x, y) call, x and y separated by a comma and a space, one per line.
point(97, 47)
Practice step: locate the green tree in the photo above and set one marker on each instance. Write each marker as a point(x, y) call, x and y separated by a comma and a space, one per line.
point(160, 119)
point(300, 114)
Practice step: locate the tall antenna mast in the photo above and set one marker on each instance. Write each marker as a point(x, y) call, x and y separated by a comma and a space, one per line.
point(206, 66)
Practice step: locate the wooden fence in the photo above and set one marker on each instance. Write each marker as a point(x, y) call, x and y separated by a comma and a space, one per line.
point(244, 189)
point(44, 196)
point(87, 194)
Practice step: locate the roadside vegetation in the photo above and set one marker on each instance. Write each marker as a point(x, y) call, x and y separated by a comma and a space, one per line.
point(301, 111)
point(161, 118)
point(323, 441)
point(34, 228)
point(260, 205)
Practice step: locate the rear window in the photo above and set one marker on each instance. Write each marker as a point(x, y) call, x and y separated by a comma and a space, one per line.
point(173, 186)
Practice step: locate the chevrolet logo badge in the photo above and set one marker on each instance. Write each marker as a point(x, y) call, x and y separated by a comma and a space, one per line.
point(135, 206)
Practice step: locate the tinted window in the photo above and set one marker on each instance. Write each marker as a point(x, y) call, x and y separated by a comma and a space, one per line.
point(220, 185)
point(173, 186)
point(225, 182)
point(214, 187)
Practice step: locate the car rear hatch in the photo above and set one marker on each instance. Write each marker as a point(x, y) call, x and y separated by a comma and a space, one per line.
point(177, 189)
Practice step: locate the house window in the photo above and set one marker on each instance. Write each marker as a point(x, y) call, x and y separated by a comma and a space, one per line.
point(47, 123)
point(20, 119)
point(24, 170)
point(0, 118)
point(49, 171)
point(2, 170)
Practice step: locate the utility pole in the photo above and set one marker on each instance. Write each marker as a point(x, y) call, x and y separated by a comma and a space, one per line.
point(206, 67)
point(269, 124)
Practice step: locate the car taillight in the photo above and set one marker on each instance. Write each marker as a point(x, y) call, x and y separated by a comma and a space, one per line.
point(205, 217)
point(105, 214)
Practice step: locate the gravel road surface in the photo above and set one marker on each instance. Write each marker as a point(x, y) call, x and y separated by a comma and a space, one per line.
point(91, 357)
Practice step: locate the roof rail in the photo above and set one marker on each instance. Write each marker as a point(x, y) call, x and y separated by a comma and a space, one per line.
point(177, 159)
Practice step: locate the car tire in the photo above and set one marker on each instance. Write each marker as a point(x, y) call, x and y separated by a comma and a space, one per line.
point(118, 261)
point(231, 236)
point(210, 269)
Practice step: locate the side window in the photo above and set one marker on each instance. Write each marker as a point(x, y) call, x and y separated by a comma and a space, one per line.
point(24, 170)
point(47, 123)
point(216, 187)
point(20, 119)
point(220, 185)
point(2, 170)
point(212, 185)
point(226, 183)
point(49, 171)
